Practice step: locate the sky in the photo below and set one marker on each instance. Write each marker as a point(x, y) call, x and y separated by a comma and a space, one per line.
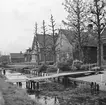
point(17, 20)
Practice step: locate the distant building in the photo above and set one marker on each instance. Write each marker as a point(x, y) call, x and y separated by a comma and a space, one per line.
point(4, 59)
point(17, 57)
point(28, 55)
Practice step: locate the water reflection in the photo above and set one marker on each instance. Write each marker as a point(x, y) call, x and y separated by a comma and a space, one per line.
point(45, 100)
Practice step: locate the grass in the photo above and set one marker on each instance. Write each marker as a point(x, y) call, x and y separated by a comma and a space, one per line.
point(13, 95)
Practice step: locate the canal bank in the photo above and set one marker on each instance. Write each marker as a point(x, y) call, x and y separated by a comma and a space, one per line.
point(73, 94)
point(13, 95)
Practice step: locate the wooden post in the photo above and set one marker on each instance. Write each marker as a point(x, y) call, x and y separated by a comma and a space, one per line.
point(26, 85)
point(62, 80)
point(37, 85)
point(17, 83)
point(20, 84)
point(54, 79)
point(34, 85)
point(31, 85)
point(58, 79)
point(65, 81)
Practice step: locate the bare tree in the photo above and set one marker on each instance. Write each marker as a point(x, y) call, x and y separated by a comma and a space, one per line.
point(77, 15)
point(44, 41)
point(36, 43)
point(98, 18)
point(53, 36)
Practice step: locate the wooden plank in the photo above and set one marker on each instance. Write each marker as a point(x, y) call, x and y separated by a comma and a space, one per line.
point(47, 77)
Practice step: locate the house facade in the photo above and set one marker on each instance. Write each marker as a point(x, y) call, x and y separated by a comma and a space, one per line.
point(41, 50)
point(67, 49)
point(64, 47)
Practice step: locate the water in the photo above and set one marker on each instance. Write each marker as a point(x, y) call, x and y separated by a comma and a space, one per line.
point(43, 100)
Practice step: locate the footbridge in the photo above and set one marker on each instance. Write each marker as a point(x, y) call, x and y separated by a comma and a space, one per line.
point(40, 78)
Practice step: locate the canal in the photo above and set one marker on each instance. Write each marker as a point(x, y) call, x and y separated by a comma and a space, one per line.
point(51, 100)
point(43, 100)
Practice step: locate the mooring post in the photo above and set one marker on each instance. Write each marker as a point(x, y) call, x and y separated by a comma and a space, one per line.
point(66, 81)
point(31, 84)
point(20, 84)
point(17, 83)
point(4, 71)
point(54, 79)
point(37, 85)
point(63, 80)
point(26, 85)
point(34, 85)
point(58, 79)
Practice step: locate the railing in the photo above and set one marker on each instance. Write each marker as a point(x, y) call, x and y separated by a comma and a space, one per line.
point(90, 65)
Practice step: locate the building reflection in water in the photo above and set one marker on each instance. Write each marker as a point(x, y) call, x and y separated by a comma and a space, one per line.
point(45, 100)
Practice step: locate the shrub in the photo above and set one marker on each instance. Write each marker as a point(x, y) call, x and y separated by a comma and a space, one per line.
point(84, 67)
point(70, 62)
point(77, 64)
point(50, 62)
point(64, 66)
point(52, 69)
point(42, 68)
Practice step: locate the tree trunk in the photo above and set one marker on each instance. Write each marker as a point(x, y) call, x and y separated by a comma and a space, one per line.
point(44, 58)
point(54, 57)
point(99, 52)
point(99, 41)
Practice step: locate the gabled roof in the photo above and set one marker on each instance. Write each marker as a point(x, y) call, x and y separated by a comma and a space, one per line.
point(17, 55)
point(91, 40)
point(48, 38)
point(68, 33)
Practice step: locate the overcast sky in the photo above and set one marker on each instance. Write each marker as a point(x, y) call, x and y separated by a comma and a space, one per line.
point(17, 19)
